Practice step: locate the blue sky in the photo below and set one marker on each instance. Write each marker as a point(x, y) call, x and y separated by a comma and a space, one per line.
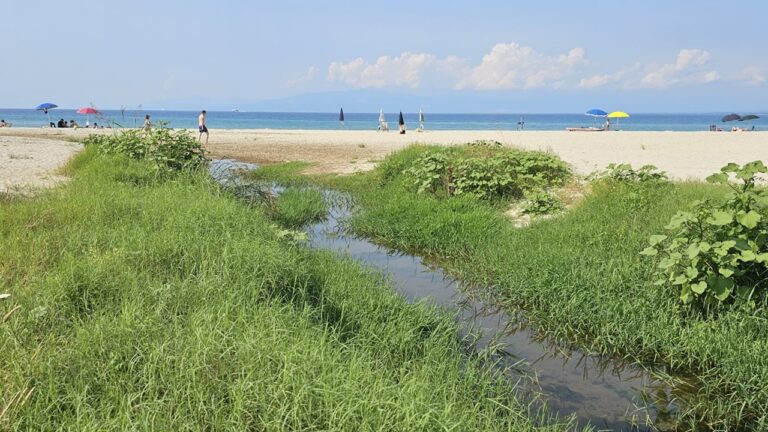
point(446, 56)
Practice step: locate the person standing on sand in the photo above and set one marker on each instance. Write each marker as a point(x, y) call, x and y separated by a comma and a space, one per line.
point(201, 127)
point(147, 124)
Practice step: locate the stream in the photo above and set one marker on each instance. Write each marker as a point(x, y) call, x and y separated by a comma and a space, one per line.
point(600, 392)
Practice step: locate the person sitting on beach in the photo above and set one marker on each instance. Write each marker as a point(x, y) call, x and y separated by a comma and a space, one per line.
point(73, 124)
point(61, 123)
point(96, 125)
point(607, 125)
point(4, 124)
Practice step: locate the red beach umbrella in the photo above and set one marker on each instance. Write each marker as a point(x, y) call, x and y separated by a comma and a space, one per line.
point(88, 111)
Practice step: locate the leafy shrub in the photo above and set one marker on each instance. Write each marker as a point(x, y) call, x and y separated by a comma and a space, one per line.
point(541, 203)
point(717, 255)
point(484, 170)
point(625, 173)
point(168, 149)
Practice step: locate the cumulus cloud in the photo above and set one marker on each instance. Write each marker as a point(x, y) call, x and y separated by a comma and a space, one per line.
point(511, 66)
point(405, 70)
point(688, 68)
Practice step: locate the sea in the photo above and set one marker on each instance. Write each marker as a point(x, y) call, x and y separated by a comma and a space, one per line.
point(369, 121)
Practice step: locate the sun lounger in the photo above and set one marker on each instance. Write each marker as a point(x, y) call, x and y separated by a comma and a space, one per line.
point(585, 129)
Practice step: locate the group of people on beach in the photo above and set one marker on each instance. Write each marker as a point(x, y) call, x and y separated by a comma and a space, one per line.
point(72, 124)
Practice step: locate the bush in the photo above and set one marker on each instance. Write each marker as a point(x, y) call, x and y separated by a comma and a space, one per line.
point(717, 255)
point(625, 173)
point(485, 170)
point(168, 149)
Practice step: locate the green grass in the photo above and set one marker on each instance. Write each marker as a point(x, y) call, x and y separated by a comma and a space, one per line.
point(580, 279)
point(149, 303)
point(296, 207)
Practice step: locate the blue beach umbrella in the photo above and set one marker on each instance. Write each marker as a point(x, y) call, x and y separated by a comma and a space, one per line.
point(44, 107)
point(596, 112)
point(341, 116)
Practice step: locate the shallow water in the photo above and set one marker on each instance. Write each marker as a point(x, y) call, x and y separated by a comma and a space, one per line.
point(598, 391)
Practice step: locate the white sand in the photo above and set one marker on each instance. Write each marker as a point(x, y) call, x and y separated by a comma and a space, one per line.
point(684, 155)
point(29, 163)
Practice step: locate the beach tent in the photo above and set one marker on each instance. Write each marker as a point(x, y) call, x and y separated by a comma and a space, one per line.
point(618, 115)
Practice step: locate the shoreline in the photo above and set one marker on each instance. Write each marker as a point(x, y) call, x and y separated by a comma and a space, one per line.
point(683, 155)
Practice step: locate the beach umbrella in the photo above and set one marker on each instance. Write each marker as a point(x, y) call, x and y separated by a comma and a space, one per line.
point(341, 116)
point(596, 112)
point(731, 117)
point(400, 119)
point(44, 107)
point(618, 115)
point(87, 111)
point(421, 119)
point(381, 116)
point(749, 117)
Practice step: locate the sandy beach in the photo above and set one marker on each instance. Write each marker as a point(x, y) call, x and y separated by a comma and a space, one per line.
point(683, 155)
point(27, 163)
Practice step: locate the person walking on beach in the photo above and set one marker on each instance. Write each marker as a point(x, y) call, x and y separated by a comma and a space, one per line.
point(147, 124)
point(201, 127)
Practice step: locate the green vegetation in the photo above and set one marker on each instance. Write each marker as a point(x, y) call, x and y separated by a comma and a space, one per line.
point(580, 277)
point(296, 207)
point(166, 149)
point(540, 203)
point(483, 169)
point(718, 255)
point(625, 173)
point(141, 301)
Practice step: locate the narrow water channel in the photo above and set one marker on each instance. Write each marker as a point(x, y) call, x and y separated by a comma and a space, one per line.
point(605, 394)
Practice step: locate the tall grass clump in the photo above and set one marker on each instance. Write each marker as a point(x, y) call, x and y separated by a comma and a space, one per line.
point(296, 207)
point(167, 305)
point(580, 278)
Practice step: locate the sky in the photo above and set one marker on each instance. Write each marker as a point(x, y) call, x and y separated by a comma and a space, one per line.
point(443, 56)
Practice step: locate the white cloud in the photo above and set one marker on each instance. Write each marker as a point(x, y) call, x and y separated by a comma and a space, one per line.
point(511, 66)
point(687, 69)
point(406, 70)
point(752, 76)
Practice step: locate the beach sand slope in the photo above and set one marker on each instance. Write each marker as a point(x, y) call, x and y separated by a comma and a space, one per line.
point(28, 163)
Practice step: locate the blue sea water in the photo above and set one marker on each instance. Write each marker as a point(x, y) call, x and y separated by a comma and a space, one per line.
point(369, 121)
